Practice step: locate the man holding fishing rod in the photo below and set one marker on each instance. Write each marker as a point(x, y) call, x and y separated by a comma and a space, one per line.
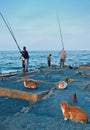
point(63, 52)
point(25, 59)
point(24, 53)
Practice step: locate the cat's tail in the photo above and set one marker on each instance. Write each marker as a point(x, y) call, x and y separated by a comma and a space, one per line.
point(74, 97)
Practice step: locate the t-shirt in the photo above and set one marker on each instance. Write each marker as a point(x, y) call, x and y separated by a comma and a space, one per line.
point(25, 54)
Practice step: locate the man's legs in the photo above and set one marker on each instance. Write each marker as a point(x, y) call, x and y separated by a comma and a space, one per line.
point(26, 64)
point(23, 65)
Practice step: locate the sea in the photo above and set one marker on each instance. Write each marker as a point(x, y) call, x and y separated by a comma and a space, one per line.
point(10, 61)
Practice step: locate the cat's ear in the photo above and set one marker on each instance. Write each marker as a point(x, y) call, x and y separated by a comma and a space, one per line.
point(60, 103)
point(66, 103)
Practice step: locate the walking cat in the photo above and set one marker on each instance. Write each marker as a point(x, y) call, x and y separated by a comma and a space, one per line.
point(73, 113)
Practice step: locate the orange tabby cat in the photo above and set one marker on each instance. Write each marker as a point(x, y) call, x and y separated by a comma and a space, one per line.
point(30, 84)
point(73, 113)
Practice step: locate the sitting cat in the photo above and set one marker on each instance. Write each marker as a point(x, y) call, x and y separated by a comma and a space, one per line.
point(62, 85)
point(30, 84)
point(73, 113)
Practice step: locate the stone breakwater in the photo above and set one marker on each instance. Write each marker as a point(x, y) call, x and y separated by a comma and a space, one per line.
point(18, 112)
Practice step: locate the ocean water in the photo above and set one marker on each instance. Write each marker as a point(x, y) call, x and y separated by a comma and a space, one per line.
point(10, 60)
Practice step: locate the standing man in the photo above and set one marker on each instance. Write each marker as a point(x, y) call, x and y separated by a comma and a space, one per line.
point(49, 60)
point(25, 59)
point(62, 58)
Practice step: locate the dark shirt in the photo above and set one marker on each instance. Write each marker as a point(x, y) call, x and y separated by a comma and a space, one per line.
point(25, 54)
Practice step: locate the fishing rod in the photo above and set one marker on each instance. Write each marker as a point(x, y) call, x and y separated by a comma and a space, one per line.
point(60, 32)
point(11, 31)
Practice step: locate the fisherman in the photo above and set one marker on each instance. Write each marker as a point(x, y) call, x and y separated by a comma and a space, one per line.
point(25, 59)
point(62, 58)
point(49, 60)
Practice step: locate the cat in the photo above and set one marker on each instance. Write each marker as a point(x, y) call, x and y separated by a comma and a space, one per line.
point(62, 85)
point(30, 84)
point(73, 113)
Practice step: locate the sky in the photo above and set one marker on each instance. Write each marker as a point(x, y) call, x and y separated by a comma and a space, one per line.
point(35, 24)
